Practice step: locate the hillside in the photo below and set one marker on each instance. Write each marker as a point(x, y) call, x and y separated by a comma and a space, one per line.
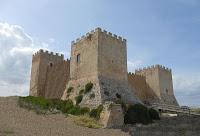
point(15, 121)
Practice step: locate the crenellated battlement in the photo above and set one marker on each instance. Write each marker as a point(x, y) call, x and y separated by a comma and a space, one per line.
point(41, 51)
point(157, 66)
point(98, 30)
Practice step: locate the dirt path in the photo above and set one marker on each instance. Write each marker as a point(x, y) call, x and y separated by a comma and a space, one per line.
point(15, 121)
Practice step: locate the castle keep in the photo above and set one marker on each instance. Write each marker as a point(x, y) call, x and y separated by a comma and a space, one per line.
point(100, 58)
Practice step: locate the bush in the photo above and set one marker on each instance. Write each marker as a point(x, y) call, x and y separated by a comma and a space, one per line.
point(88, 87)
point(95, 113)
point(41, 105)
point(69, 90)
point(86, 121)
point(137, 114)
point(154, 114)
point(78, 99)
point(106, 93)
point(81, 91)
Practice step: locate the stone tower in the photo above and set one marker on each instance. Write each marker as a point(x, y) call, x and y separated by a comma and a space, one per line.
point(49, 74)
point(158, 84)
point(101, 58)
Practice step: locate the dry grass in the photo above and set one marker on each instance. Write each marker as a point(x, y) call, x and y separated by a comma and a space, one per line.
point(86, 121)
point(7, 131)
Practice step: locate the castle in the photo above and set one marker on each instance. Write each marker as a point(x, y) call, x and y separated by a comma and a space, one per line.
point(100, 58)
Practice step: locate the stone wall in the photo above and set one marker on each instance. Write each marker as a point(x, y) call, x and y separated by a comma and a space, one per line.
point(141, 88)
point(102, 61)
point(57, 77)
point(41, 62)
point(153, 84)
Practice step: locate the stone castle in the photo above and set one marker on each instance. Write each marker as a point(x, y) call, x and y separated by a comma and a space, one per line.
point(100, 58)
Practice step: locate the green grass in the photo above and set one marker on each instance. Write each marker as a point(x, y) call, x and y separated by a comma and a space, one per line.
point(86, 121)
point(42, 106)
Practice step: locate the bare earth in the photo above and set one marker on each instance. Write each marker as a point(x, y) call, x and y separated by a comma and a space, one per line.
point(15, 121)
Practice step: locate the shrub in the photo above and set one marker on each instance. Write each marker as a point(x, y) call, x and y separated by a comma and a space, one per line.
point(118, 96)
point(88, 87)
point(78, 99)
point(81, 91)
point(86, 121)
point(106, 93)
point(69, 90)
point(95, 113)
point(92, 95)
point(137, 114)
point(41, 105)
point(154, 114)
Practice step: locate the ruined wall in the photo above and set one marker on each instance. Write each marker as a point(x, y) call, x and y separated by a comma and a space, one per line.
point(39, 71)
point(57, 77)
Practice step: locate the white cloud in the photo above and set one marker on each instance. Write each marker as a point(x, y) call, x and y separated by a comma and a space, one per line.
point(132, 65)
point(16, 49)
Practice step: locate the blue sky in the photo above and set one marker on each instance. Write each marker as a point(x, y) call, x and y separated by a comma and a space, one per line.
point(158, 32)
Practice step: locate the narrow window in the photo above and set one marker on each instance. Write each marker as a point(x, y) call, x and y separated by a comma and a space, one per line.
point(51, 64)
point(167, 91)
point(78, 58)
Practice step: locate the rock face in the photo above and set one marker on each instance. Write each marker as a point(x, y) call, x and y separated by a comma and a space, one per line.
point(112, 115)
point(100, 58)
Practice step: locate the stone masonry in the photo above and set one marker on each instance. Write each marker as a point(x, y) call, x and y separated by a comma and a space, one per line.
point(99, 57)
point(153, 85)
point(49, 74)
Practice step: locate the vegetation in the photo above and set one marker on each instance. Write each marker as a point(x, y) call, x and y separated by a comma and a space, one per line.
point(106, 93)
point(78, 99)
point(88, 87)
point(69, 90)
point(43, 106)
point(92, 95)
point(81, 91)
point(86, 121)
point(154, 114)
point(137, 113)
point(95, 113)
point(118, 96)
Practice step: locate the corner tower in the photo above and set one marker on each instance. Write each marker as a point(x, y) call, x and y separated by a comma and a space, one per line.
point(101, 58)
point(159, 82)
point(46, 68)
